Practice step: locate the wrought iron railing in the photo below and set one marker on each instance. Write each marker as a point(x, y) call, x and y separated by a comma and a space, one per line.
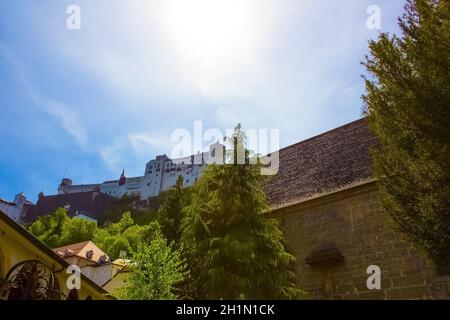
point(30, 280)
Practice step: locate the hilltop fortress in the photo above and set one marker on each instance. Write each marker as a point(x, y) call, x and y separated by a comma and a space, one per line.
point(160, 175)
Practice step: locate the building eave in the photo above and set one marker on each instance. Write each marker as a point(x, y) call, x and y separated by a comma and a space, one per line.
point(45, 249)
point(280, 210)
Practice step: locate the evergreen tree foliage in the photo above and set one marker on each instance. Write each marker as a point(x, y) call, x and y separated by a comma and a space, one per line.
point(235, 250)
point(170, 214)
point(408, 106)
point(117, 207)
point(170, 217)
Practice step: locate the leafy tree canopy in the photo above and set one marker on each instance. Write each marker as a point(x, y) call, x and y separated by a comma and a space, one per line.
point(58, 229)
point(124, 235)
point(141, 212)
point(157, 269)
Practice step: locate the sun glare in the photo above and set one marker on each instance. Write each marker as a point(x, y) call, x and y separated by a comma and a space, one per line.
point(213, 37)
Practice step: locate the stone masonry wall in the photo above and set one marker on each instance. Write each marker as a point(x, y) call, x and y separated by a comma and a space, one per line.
point(351, 221)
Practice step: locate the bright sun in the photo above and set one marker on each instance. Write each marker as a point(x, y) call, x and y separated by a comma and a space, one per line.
point(213, 37)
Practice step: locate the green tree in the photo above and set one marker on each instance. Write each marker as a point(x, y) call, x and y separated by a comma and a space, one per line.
point(408, 106)
point(78, 230)
point(170, 213)
point(157, 269)
point(235, 250)
point(142, 212)
point(125, 236)
point(58, 229)
point(170, 217)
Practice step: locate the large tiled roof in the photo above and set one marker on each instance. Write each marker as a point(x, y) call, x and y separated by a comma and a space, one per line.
point(331, 161)
point(92, 204)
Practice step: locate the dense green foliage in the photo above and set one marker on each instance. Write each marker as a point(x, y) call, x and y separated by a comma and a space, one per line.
point(170, 218)
point(170, 214)
point(157, 269)
point(58, 229)
point(408, 106)
point(125, 236)
point(235, 250)
point(114, 211)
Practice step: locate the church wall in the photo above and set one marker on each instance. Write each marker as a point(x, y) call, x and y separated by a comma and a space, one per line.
point(352, 222)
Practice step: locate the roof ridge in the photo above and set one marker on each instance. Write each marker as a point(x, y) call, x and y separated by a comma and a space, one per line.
point(324, 133)
point(74, 244)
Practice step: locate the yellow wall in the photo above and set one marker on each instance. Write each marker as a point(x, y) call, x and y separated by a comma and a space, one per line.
point(15, 248)
point(118, 281)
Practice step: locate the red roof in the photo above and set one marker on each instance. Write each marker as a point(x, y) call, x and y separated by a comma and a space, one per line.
point(80, 250)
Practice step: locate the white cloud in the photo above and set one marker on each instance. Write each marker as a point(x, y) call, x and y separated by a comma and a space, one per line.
point(202, 48)
point(289, 65)
point(112, 156)
point(147, 143)
point(133, 150)
point(69, 120)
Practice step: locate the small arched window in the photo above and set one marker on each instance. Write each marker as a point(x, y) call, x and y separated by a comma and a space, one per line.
point(73, 294)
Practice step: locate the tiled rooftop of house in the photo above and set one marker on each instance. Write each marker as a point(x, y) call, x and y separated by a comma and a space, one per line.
point(331, 161)
point(86, 250)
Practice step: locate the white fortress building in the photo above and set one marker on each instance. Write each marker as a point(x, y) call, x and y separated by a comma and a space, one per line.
point(160, 175)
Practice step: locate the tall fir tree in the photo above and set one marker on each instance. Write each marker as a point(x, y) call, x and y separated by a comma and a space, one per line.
point(408, 106)
point(235, 250)
point(170, 214)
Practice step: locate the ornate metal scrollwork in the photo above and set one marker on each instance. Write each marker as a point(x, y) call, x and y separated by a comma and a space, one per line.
point(30, 280)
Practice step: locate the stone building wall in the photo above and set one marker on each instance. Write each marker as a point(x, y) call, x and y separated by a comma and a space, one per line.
point(351, 222)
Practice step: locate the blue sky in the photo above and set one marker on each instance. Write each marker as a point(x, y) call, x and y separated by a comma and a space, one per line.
point(87, 103)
